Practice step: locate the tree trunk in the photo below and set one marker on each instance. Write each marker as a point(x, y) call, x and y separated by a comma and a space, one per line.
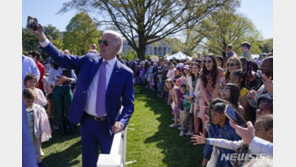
point(142, 47)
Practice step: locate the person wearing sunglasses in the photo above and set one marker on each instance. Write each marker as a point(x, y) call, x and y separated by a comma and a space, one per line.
point(104, 85)
point(232, 64)
point(210, 76)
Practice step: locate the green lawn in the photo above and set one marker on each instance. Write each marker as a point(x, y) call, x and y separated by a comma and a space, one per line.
point(150, 141)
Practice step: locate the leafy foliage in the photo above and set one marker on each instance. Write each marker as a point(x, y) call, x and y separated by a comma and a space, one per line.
point(266, 45)
point(148, 20)
point(80, 33)
point(130, 55)
point(30, 42)
point(226, 27)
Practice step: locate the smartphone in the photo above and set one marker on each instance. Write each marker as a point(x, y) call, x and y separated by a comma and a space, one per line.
point(259, 73)
point(32, 23)
point(233, 115)
point(222, 81)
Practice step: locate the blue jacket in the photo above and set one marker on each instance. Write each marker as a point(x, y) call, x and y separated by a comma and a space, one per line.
point(225, 132)
point(120, 90)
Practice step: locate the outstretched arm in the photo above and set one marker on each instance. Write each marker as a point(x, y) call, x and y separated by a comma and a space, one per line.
point(66, 61)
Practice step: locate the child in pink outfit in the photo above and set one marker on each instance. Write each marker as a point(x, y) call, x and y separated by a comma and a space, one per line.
point(30, 82)
point(35, 121)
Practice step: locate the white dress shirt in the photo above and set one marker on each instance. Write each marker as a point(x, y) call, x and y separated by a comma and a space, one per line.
point(91, 97)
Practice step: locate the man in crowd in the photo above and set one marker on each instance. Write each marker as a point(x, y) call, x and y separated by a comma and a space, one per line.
point(35, 55)
point(245, 46)
point(103, 86)
point(28, 66)
point(230, 52)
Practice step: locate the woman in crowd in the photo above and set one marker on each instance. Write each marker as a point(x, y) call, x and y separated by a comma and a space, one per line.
point(232, 64)
point(220, 61)
point(195, 92)
point(210, 77)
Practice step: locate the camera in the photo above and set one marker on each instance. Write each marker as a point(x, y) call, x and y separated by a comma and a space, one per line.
point(32, 23)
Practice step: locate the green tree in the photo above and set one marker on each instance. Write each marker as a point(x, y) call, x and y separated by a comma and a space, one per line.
point(80, 33)
point(148, 20)
point(130, 55)
point(30, 42)
point(226, 27)
point(266, 45)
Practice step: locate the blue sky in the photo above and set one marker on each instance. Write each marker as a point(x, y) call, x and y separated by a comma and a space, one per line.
point(260, 12)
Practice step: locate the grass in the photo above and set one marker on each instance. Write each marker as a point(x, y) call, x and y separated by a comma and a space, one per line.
point(149, 139)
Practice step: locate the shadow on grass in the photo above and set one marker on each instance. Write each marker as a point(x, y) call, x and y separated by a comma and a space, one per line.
point(62, 150)
point(178, 151)
point(58, 138)
point(64, 158)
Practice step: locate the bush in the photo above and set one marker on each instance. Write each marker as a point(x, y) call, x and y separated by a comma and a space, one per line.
point(130, 55)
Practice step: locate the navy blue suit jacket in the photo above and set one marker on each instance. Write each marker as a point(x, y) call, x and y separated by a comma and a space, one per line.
point(120, 90)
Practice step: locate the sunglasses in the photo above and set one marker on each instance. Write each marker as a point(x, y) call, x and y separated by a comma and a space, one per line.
point(210, 61)
point(105, 42)
point(232, 64)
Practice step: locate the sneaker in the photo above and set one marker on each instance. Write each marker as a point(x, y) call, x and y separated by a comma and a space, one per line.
point(172, 126)
point(179, 127)
point(181, 133)
point(189, 133)
point(41, 152)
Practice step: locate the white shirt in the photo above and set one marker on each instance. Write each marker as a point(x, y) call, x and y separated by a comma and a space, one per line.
point(91, 96)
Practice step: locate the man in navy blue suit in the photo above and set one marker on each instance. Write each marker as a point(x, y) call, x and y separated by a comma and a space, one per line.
point(104, 84)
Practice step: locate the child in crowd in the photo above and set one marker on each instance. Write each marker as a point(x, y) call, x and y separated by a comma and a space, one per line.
point(172, 89)
point(263, 129)
point(186, 123)
point(171, 71)
point(35, 121)
point(30, 82)
point(195, 93)
point(264, 105)
point(178, 77)
point(237, 77)
point(159, 84)
point(143, 79)
point(230, 93)
point(219, 128)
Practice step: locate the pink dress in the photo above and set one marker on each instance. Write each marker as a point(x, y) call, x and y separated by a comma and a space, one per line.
point(41, 101)
point(208, 93)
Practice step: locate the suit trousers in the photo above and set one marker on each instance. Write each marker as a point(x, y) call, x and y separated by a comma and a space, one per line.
point(94, 134)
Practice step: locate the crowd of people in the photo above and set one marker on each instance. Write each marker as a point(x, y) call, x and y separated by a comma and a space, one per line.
point(47, 95)
point(199, 90)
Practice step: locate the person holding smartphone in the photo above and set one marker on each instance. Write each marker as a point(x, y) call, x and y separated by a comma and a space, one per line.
point(267, 87)
point(62, 96)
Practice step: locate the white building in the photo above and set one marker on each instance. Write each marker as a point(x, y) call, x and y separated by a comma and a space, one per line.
point(158, 48)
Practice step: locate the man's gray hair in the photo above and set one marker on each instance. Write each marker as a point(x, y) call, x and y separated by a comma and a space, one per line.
point(118, 41)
